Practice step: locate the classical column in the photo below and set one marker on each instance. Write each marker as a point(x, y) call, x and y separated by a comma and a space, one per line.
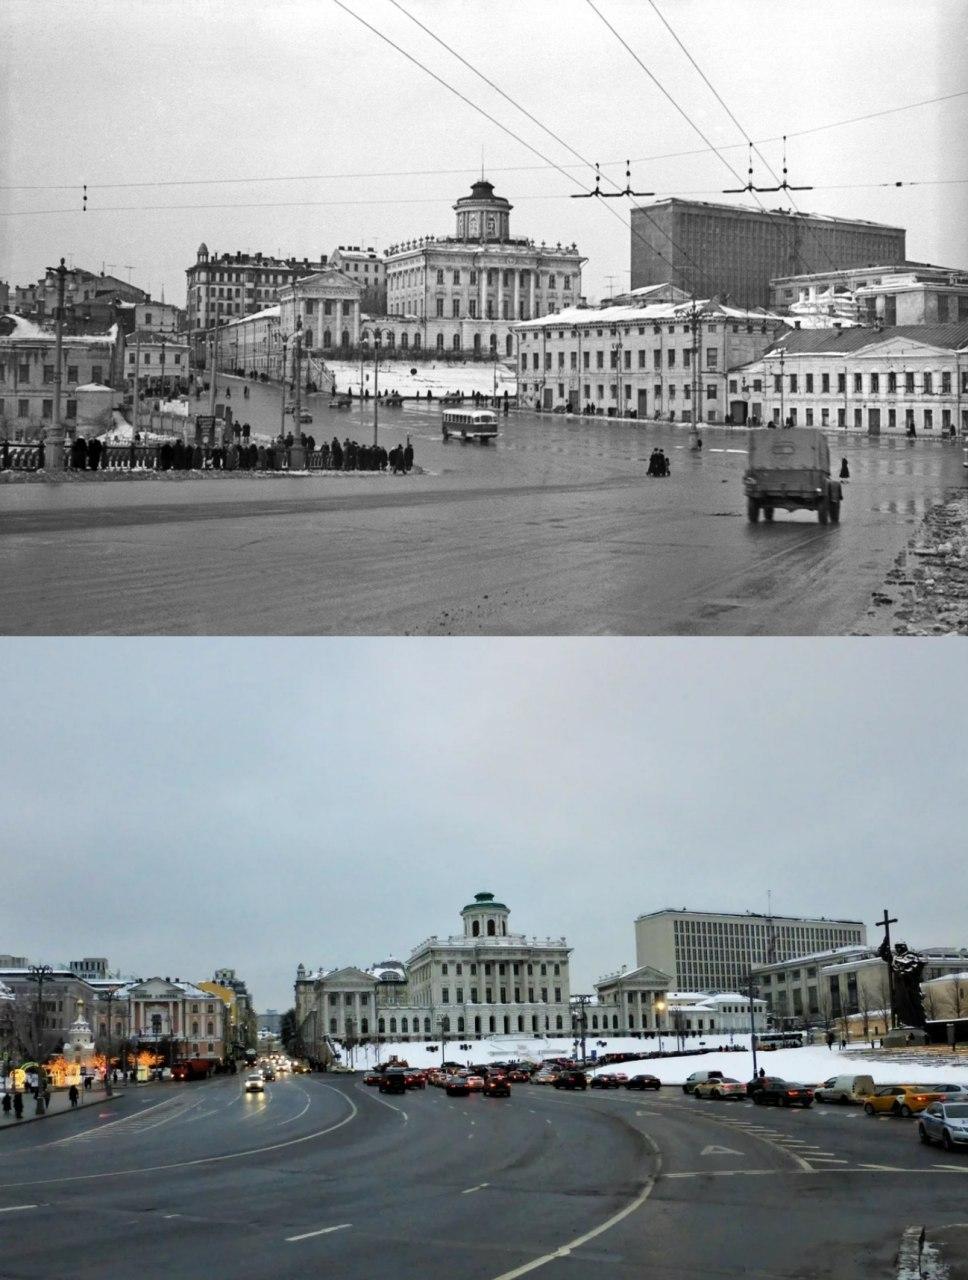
point(499, 301)
point(482, 288)
point(531, 279)
point(516, 302)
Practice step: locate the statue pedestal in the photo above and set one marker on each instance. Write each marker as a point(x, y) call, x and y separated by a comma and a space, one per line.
point(902, 1036)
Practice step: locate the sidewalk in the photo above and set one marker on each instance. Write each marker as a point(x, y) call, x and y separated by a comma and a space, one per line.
point(938, 1253)
point(59, 1105)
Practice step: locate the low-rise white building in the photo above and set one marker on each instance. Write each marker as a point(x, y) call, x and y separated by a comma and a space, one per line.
point(645, 358)
point(630, 1002)
point(909, 380)
point(721, 1013)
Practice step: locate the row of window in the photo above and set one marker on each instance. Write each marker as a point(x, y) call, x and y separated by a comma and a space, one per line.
point(875, 380)
point(415, 276)
point(626, 331)
point(327, 306)
point(502, 994)
point(876, 418)
point(22, 372)
point(501, 967)
point(712, 359)
point(408, 1026)
point(146, 357)
point(46, 409)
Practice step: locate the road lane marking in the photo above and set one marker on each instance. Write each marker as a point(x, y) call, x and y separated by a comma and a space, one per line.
point(324, 1231)
point(480, 1187)
point(723, 1173)
point(720, 1151)
point(135, 1115)
point(187, 1164)
point(566, 1249)
point(17, 1208)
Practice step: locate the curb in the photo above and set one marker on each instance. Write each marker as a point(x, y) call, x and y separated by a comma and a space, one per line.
point(6, 1125)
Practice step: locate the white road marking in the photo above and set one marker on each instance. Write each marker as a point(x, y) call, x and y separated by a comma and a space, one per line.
point(187, 1164)
point(16, 1208)
point(324, 1231)
point(578, 1241)
point(720, 1151)
point(74, 1137)
point(480, 1187)
point(724, 1173)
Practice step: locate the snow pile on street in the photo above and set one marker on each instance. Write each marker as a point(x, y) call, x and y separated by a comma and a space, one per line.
point(809, 1065)
point(924, 593)
point(438, 377)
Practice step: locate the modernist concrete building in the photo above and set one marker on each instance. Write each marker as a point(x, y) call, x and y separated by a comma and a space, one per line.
point(463, 293)
point(714, 951)
point(907, 380)
point(904, 294)
point(482, 982)
point(734, 250)
point(644, 359)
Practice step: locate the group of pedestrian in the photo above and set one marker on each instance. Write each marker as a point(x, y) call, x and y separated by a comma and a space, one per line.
point(15, 1103)
point(352, 456)
point(658, 464)
point(88, 455)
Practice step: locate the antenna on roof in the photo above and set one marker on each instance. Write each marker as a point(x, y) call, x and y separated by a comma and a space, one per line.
point(784, 185)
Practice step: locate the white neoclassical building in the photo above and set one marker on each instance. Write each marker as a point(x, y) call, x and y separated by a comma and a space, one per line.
point(484, 981)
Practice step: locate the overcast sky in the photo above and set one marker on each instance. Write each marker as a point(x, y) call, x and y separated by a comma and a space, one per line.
point(182, 805)
point(181, 92)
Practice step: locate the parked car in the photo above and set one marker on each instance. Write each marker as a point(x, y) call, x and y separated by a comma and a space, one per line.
point(393, 1080)
point(945, 1122)
point(700, 1077)
point(457, 1087)
point(571, 1080)
point(757, 1083)
point(643, 1082)
point(845, 1089)
point(952, 1092)
point(496, 1086)
point(726, 1087)
point(254, 1082)
point(783, 1093)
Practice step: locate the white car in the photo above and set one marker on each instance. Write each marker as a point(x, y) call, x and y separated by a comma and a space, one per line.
point(945, 1122)
point(254, 1082)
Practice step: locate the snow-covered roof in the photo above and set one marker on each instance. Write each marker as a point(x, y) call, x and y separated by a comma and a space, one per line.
point(946, 977)
point(829, 953)
point(188, 989)
point(93, 386)
point(23, 330)
point(651, 313)
point(6, 993)
point(264, 314)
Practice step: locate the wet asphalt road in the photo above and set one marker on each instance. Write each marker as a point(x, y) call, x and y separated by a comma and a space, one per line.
point(322, 1175)
point(555, 529)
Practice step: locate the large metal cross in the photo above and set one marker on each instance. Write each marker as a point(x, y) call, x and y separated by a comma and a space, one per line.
point(885, 949)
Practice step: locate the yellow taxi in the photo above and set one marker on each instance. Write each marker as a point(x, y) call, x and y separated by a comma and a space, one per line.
point(899, 1099)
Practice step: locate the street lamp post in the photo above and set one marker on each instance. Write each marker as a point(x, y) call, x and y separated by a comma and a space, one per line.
point(617, 355)
point(40, 973)
point(54, 449)
point(297, 454)
point(660, 1008)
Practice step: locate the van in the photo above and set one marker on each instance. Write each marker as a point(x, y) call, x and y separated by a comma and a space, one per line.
point(700, 1077)
point(844, 1089)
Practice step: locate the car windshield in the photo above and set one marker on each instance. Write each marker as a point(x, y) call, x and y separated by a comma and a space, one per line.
point(957, 1111)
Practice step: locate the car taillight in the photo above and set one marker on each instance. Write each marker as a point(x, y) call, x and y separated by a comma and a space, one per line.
point(792, 1093)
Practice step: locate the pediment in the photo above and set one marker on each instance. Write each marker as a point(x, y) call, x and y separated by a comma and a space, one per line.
point(899, 348)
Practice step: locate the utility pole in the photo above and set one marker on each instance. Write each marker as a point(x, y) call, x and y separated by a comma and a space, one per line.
point(782, 422)
point(752, 1022)
point(282, 391)
point(695, 324)
point(582, 1002)
point(376, 382)
point(297, 454)
point(213, 372)
point(136, 391)
point(54, 448)
point(40, 973)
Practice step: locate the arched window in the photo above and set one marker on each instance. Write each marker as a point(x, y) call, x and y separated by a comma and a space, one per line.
point(460, 1026)
point(211, 1028)
point(491, 1024)
point(344, 338)
point(403, 1025)
point(534, 1023)
point(490, 928)
point(416, 342)
point(445, 1025)
point(509, 346)
point(307, 340)
point(404, 341)
point(520, 1022)
point(327, 338)
point(507, 1025)
point(493, 342)
point(381, 1026)
point(393, 1026)
point(504, 927)
point(594, 1021)
point(391, 340)
point(364, 1025)
point(614, 1021)
point(558, 1022)
point(476, 928)
point(440, 342)
point(332, 1026)
point(477, 344)
point(456, 343)
point(477, 1026)
point(427, 1026)
point(195, 1028)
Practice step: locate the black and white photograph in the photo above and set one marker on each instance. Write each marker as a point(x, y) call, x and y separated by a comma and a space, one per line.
point(483, 598)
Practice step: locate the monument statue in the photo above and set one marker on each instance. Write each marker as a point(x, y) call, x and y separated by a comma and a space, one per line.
point(907, 969)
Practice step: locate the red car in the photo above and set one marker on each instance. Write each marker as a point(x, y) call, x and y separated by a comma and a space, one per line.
point(415, 1080)
point(605, 1080)
point(518, 1077)
point(372, 1077)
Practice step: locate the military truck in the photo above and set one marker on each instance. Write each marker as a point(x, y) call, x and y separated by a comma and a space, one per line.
point(789, 467)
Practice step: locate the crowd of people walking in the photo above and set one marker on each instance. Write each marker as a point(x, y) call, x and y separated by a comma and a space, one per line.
point(658, 464)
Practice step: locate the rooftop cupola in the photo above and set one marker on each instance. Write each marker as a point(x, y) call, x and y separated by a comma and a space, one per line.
point(485, 918)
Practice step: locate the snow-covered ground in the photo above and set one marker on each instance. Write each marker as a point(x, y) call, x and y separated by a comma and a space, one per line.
point(438, 377)
point(808, 1065)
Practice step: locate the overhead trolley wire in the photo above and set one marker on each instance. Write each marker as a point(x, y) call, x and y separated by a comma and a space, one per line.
point(510, 132)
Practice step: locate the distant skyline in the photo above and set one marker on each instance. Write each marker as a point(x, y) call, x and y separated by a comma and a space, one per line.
point(183, 805)
point(291, 128)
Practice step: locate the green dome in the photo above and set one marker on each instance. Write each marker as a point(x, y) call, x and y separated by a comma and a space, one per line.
point(484, 902)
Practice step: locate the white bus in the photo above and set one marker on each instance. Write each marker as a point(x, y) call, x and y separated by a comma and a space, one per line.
point(469, 424)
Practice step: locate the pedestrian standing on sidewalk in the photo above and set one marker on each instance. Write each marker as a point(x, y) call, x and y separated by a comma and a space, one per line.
point(73, 1095)
point(18, 1105)
point(7, 1104)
